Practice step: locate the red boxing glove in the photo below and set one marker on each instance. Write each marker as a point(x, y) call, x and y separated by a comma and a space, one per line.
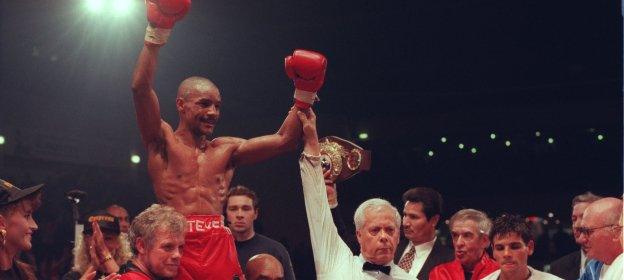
point(162, 15)
point(307, 70)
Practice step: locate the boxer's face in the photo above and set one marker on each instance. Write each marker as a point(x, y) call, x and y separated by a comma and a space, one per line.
point(200, 110)
point(162, 257)
point(241, 213)
point(416, 227)
point(378, 236)
point(512, 253)
point(469, 243)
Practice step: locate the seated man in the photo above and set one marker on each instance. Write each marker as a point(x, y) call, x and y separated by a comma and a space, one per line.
point(241, 209)
point(601, 228)
point(470, 230)
point(156, 237)
point(377, 224)
point(264, 267)
point(513, 244)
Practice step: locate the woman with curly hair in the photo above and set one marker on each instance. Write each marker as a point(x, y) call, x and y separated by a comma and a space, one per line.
point(16, 228)
point(101, 251)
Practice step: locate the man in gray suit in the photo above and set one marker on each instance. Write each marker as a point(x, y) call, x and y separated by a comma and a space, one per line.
point(422, 250)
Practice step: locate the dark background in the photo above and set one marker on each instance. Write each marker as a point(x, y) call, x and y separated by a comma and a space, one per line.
point(405, 72)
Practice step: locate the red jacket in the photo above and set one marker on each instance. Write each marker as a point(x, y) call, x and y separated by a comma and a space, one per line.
point(454, 271)
point(133, 275)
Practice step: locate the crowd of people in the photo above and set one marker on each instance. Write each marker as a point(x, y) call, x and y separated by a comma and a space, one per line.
point(202, 229)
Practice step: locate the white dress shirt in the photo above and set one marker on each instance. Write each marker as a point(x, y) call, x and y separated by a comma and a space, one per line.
point(333, 259)
point(422, 252)
point(615, 271)
point(535, 275)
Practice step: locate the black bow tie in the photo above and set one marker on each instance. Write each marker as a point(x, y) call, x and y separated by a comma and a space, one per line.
point(375, 267)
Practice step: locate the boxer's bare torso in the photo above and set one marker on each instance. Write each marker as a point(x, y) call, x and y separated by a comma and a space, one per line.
point(193, 180)
point(190, 172)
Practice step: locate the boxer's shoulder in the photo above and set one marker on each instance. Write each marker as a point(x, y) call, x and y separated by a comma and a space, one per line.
point(227, 141)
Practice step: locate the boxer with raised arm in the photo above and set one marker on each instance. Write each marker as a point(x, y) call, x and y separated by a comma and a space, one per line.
point(192, 172)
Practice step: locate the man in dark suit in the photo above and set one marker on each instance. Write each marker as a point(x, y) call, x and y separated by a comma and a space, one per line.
point(421, 250)
point(570, 266)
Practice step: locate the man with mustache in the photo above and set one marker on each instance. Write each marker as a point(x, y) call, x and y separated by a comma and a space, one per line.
point(512, 246)
point(571, 266)
point(470, 230)
point(191, 172)
point(421, 214)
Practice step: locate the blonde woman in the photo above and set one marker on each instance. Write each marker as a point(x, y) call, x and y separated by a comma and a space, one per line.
point(101, 251)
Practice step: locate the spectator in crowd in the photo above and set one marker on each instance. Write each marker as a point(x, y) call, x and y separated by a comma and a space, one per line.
point(122, 214)
point(16, 228)
point(512, 244)
point(571, 266)
point(241, 210)
point(101, 250)
point(157, 238)
point(264, 267)
point(422, 251)
point(602, 228)
point(470, 231)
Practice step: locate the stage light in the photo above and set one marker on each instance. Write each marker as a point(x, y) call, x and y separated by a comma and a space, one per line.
point(550, 214)
point(363, 135)
point(600, 137)
point(443, 139)
point(136, 159)
point(538, 134)
point(460, 146)
point(2, 140)
point(122, 7)
point(430, 153)
point(94, 6)
point(550, 140)
point(507, 143)
point(492, 136)
point(473, 150)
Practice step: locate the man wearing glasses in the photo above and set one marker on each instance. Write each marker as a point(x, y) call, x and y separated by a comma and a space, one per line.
point(601, 234)
point(571, 266)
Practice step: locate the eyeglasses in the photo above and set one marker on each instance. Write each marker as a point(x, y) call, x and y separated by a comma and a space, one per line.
point(589, 231)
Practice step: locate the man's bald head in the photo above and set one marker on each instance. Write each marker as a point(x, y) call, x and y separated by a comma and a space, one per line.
point(264, 266)
point(602, 226)
point(606, 211)
point(195, 84)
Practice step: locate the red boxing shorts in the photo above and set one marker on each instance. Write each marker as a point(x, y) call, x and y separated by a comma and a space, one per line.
point(209, 250)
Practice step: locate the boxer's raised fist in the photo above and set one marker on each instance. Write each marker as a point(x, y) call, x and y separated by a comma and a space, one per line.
point(165, 13)
point(307, 70)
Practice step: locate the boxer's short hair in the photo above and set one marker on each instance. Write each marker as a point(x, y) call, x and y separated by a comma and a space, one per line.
point(507, 224)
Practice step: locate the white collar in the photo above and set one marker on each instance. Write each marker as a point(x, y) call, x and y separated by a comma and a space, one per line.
point(423, 247)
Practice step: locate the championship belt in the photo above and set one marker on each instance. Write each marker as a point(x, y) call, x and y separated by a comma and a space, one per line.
point(341, 159)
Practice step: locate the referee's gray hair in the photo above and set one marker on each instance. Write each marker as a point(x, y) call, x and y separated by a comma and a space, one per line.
point(484, 224)
point(374, 204)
